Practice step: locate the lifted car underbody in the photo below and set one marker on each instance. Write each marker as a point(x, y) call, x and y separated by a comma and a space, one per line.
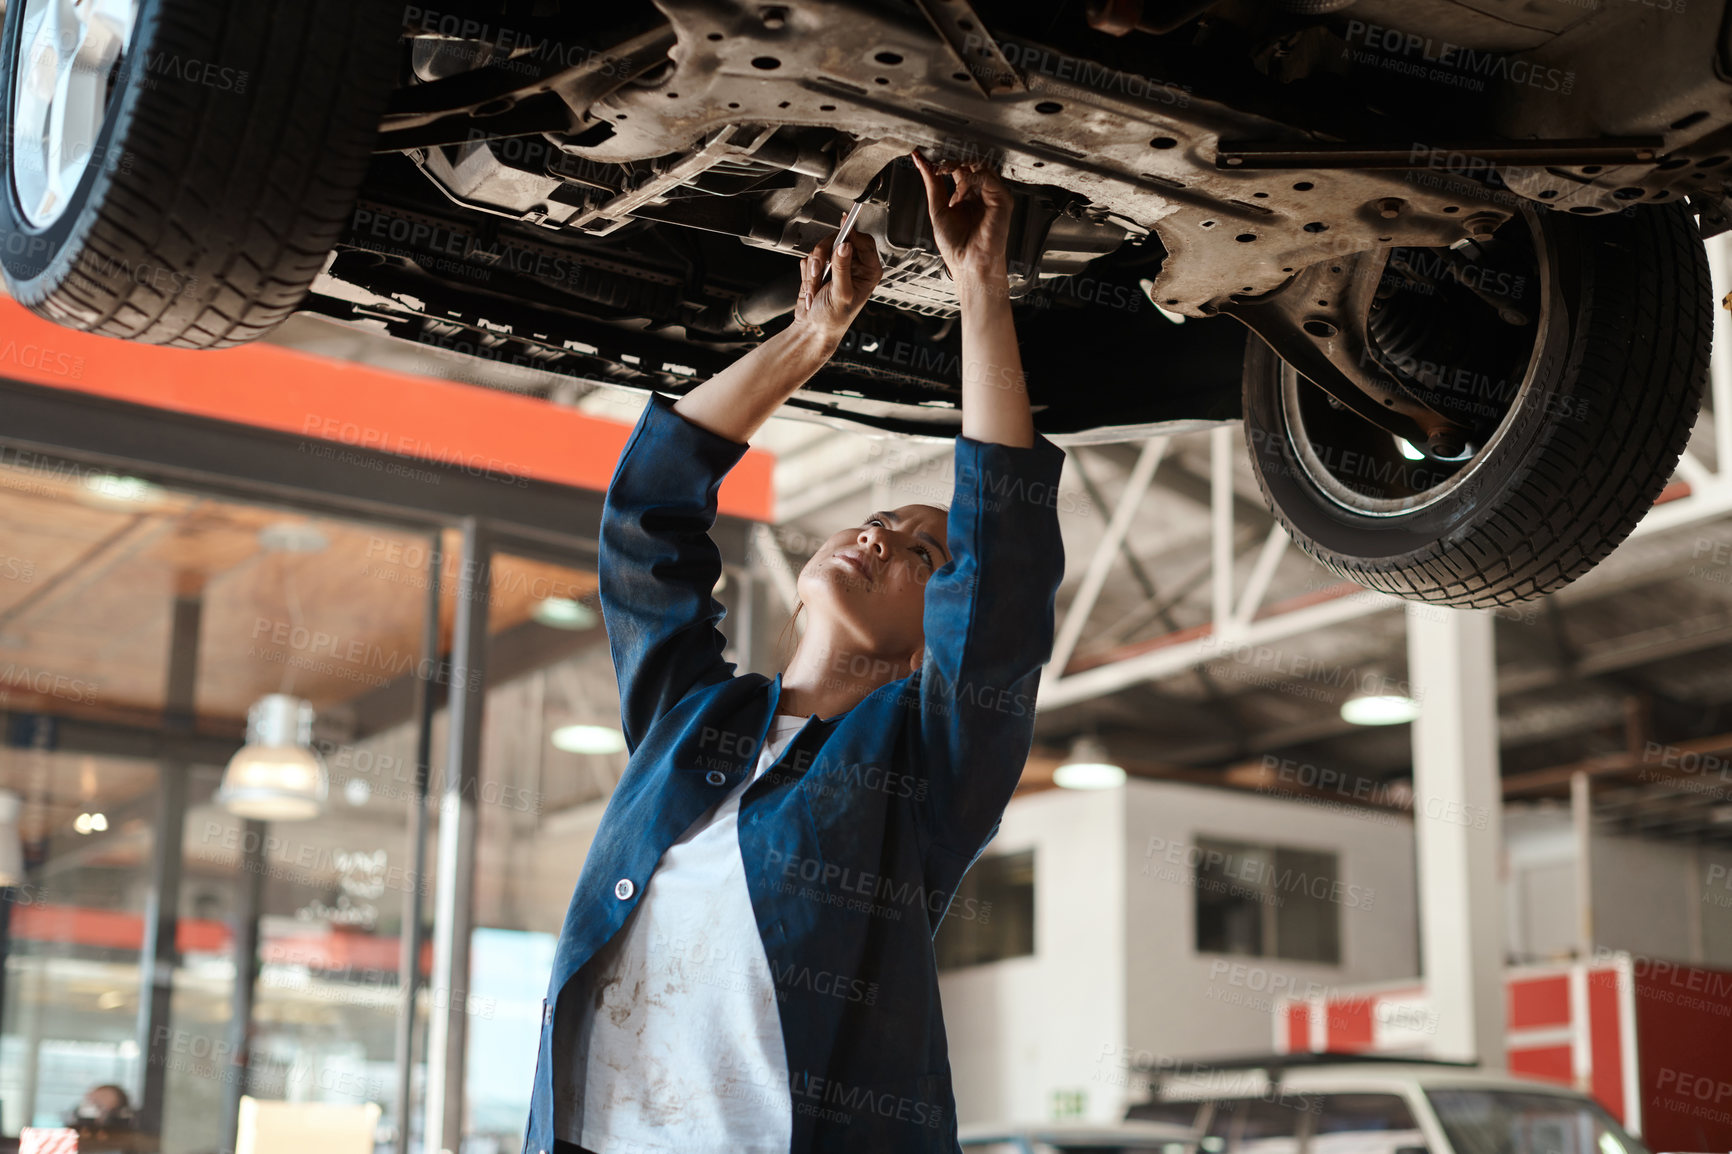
point(613, 195)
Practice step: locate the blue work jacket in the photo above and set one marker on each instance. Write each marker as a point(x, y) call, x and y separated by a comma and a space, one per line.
point(854, 840)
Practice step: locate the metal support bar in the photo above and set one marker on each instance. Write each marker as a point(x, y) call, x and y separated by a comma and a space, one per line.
point(1720, 359)
point(1182, 655)
point(1263, 572)
point(245, 953)
point(1458, 829)
point(1094, 578)
point(413, 934)
point(1695, 472)
point(454, 892)
point(731, 142)
point(1582, 826)
point(961, 28)
point(1248, 154)
point(158, 955)
point(1221, 442)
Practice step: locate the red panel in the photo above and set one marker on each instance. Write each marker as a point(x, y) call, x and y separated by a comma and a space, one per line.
point(1535, 1003)
point(1684, 1055)
point(482, 431)
point(1605, 1041)
point(1349, 1027)
point(114, 930)
point(111, 929)
point(1552, 1063)
point(1298, 1028)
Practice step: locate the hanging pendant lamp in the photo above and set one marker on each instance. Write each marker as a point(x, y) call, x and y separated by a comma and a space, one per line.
point(276, 776)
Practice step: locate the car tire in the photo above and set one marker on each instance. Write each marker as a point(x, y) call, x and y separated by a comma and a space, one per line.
point(1603, 412)
point(232, 140)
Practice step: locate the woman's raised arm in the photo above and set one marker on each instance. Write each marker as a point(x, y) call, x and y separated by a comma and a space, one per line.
point(737, 401)
point(989, 613)
point(971, 223)
point(659, 566)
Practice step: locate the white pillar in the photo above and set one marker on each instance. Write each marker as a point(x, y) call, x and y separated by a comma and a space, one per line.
point(1458, 828)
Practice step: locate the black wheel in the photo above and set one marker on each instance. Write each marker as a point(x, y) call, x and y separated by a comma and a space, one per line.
point(178, 170)
point(1576, 348)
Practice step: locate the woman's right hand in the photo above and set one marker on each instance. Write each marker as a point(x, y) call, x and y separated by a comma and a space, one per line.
point(829, 307)
point(970, 221)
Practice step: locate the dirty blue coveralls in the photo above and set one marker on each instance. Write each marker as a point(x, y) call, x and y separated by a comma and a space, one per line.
point(854, 841)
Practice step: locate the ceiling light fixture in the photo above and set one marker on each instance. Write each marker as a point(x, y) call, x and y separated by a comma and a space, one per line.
point(564, 613)
point(120, 490)
point(588, 739)
point(276, 775)
point(1379, 709)
point(1088, 767)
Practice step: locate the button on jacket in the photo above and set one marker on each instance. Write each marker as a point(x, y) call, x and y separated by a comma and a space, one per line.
point(854, 840)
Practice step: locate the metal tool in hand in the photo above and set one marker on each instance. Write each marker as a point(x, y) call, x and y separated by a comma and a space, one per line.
point(848, 223)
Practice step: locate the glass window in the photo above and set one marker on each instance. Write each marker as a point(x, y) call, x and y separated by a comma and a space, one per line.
point(145, 622)
point(74, 929)
point(1267, 901)
point(1261, 1125)
point(1364, 1124)
point(551, 754)
point(1515, 1122)
point(992, 916)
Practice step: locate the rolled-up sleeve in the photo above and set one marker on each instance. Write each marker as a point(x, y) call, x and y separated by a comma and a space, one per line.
point(659, 566)
point(989, 630)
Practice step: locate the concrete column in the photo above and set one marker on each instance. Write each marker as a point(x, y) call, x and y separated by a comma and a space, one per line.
point(1458, 828)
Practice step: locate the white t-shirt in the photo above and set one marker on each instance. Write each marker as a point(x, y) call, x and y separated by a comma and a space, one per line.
point(679, 1038)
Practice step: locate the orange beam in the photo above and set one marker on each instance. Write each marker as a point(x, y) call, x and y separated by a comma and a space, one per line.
point(335, 403)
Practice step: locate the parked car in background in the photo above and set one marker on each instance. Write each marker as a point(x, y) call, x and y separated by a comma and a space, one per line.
point(1361, 1107)
point(1078, 1138)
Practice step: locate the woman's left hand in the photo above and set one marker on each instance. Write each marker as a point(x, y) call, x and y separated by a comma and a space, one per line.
point(829, 307)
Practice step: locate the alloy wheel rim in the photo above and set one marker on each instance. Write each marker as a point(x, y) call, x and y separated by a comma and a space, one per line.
point(70, 55)
point(1293, 389)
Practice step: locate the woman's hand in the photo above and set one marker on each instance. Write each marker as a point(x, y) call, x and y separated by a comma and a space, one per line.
point(970, 221)
point(828, 308)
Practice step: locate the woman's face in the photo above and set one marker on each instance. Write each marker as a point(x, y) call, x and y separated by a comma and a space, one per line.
point(870, 580)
